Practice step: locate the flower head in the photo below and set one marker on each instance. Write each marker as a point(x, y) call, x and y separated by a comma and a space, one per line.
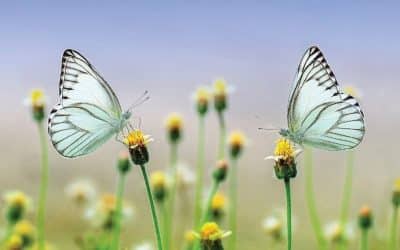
point(102, 214)
point(211, 236)
point(14, 243)
point(202, 98)
point(17, 203)
point(174, 125)
point(123, 165)
point(190, 238)
point(220, 94)
point(274, 227)
point(136, 142)
point(365, 217)
point(336, 233)
point(284, 157)
point(158, 180)
point(26, 231)
point(221, 171)
point(218, 204)
point(396, 193)
point(236, 142)
point(36, 101)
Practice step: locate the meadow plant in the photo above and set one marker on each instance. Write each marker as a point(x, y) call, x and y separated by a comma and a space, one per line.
point(393, 237)
point(37, 101)
point(365, 222)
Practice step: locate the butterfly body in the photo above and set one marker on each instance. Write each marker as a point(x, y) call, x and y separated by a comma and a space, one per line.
point(319, 113)
point(88, 113)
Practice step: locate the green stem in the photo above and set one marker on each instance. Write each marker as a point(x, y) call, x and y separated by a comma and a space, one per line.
point(347, 188)
point(164, 218)
point(364, 239)
point(43, 187)
point(171, 200)
point(152, 207)
point(233, 187)
point(288, 213)
point(199, 172)
point(118, 212)
point(393, 229)
point(222, 136)
point(315, 221)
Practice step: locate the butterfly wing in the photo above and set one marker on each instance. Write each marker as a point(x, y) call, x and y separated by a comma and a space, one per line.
point(88, 113)
point(318, 112)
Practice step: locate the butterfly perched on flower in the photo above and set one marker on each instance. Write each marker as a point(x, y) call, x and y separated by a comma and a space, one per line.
point(319, 114)
point(88, 112)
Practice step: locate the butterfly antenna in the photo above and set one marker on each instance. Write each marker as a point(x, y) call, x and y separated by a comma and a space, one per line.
point(270, 129)
point(142, 99)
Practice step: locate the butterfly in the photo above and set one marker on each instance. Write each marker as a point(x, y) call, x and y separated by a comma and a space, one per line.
point(319, 114)
point(88, 112)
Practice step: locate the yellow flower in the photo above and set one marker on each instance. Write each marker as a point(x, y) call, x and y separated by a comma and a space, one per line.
point(284, 148)
point(14, 243)
point(396, 193)
point(220, 87)
point(210, 231)
point(36, 98)
point(202, 95)
point(190, 237)
point(351, 90)
point(136, 138)
point(26, 230)
point(236, 142)
point(16, 198)
point(218, 201)
point(174, 121)
point(158, 179)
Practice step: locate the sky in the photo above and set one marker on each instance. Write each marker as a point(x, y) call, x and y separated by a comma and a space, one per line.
point(170, 48)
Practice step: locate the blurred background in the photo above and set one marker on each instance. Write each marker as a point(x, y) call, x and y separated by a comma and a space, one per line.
point(169, 49)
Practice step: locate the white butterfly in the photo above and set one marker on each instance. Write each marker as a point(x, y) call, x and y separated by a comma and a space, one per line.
point(319, 113)
point(88, 112)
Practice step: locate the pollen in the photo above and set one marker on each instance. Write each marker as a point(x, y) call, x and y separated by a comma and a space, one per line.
point(284, 148)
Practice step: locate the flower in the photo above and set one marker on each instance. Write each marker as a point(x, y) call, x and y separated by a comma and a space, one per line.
point(220, 91)
point(136, 141)
point(284, 157)
point(174, 125)
point(26, 231)
point(202, 98)
point(14, 243)
point(211, 236)
point(365, 218)
point(396, 193)
point(17, 203)
point(221, 171)
point(236, 142)
point(158, 180)
point(143, 246)
point(36, 101)
point(102, 214)
point(218, 204)
point(123, 165)
point(190, 237)
point(336, 233)
point(81, 191)
point(353, 91)
point(274, 226)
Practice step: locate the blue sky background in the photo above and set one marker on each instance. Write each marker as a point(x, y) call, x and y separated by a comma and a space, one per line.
point(169, 48)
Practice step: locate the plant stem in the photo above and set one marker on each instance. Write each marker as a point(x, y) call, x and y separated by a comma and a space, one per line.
point(315, 221)
point(364, 239)
point(118, 212)
point(347, 188)
point(199, 172)
point(393, 228)
point(171, 200)
point(43, 187)
point(152, 207)
point(233, 187)
point(288, 213)
point(222, 136)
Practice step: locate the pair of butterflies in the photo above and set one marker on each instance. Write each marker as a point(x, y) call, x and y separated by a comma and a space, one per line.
point(88, 114)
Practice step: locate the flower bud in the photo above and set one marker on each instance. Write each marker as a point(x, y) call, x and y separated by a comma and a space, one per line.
point(396, 193)
point(220, 95)
point(174, 126)
point(365, 218)
point(123, 165)
point(159, 185)
point(221, 171)
point(236, 142)
point(218, 206)
point(202, 98)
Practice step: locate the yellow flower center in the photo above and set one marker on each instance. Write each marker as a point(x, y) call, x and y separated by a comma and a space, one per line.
point(135, 138)
point(158, 179)
point(284, 148)
point(37, 97)
point(24, 228)
point(210, 231)
point(174, 121)
point(236, 139)
point(218, 201)
point(220, 86)
point(202, 95)
point(17, 199)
